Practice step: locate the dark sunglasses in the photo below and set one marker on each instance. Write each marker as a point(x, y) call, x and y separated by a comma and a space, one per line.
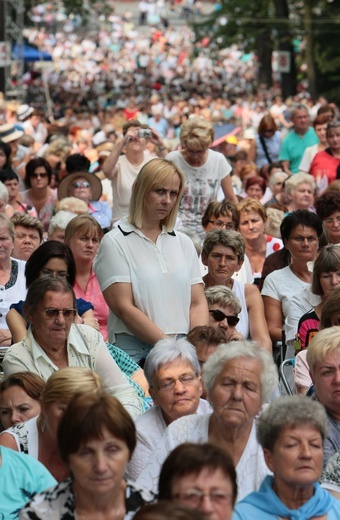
point(83, 184)
point(220, 316)
point(37, 175)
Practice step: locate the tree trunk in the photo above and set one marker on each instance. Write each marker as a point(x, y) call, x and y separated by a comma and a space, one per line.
point(264, 46)
point(288, 79)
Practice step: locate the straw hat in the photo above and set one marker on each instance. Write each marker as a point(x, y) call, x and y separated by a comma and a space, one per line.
point(9, 133)
point(96, 185)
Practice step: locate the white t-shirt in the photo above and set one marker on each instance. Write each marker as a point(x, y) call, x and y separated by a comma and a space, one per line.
point(122, 185)
point(161, 275)
point(201, 186)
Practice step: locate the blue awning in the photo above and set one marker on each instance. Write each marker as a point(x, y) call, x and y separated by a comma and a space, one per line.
point(29, 53)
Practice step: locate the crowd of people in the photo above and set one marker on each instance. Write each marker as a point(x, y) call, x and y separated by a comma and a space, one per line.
point(154, 278)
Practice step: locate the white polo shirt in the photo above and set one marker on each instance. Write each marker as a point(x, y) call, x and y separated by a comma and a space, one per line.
point(161, 275)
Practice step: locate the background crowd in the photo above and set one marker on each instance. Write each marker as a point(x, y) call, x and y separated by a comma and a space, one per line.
point(169, 247)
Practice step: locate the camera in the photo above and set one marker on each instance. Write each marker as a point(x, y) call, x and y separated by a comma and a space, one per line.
point(144, 133)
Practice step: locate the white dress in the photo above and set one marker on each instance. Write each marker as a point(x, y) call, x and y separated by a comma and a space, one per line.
point(250, 470)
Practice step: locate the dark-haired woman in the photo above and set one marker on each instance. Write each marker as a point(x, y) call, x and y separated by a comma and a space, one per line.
point(55, 258)
point(265, 147)
point(39, 193)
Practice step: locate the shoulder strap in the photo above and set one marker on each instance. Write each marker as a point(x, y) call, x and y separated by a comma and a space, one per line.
point(265, 149)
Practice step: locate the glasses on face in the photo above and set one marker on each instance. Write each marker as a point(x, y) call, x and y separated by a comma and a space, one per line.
point(301, 240)
point(220, 225)
point(195, 497)
point(52, 314)
point(83, 184)
point(169, 384)
point(61, 274)
point(268, 131)
point(37, 175)
point(220, 316)
point(332, 221)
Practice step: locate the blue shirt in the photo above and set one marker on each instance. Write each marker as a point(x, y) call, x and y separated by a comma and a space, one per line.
point(21, 477)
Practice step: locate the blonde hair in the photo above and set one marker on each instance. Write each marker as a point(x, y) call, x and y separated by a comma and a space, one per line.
point(66, 382)
point(153, 175)
point(326, 341)
point(73, 205)
point(248, 205)
point(197, 133)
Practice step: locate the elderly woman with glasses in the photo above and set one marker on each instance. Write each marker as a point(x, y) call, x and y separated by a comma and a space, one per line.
point(54, 341)
point(291, 432)
point(173, 374)
point(239, 377)
point(205, 172)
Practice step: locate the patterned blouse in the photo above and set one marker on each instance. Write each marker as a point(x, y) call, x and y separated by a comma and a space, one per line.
point(58, 503)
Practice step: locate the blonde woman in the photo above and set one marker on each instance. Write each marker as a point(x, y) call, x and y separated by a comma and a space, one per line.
point(149, 274)
point(205, 172)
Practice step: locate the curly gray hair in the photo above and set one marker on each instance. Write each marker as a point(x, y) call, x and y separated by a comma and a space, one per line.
point(242, 349)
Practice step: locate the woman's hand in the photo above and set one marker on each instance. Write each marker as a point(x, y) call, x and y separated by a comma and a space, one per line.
point(5, 337)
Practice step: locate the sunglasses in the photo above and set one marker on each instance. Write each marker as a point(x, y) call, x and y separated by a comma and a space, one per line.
point(37, 175)
point(220, 316)
point(84, 184)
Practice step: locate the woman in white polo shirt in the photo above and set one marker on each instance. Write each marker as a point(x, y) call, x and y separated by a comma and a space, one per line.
point(149, 274)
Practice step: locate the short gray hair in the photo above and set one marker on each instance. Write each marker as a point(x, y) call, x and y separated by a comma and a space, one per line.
point(222, 237)
point(289, 411)
point(60, 221)
point(242, 349)
point(276, 176)
point(167, 350)
point(222, 295)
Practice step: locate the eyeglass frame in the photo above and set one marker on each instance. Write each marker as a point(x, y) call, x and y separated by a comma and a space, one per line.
point(62, 311)
point(83, 184)
point(197, 497)
point(171, 383)
point(226, 225)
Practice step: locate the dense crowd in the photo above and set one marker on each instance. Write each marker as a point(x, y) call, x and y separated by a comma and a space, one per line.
point(169, 250)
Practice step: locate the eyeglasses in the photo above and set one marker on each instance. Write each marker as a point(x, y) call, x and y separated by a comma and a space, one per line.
point(220, 316)
point(37, 175)
point(219, 224)
point(195, 497)
point(169, 384)
point(331, 221)
point(301, 240)
point(52, 314)
point(61, 274)
point(84, 184)
point(268, 131)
